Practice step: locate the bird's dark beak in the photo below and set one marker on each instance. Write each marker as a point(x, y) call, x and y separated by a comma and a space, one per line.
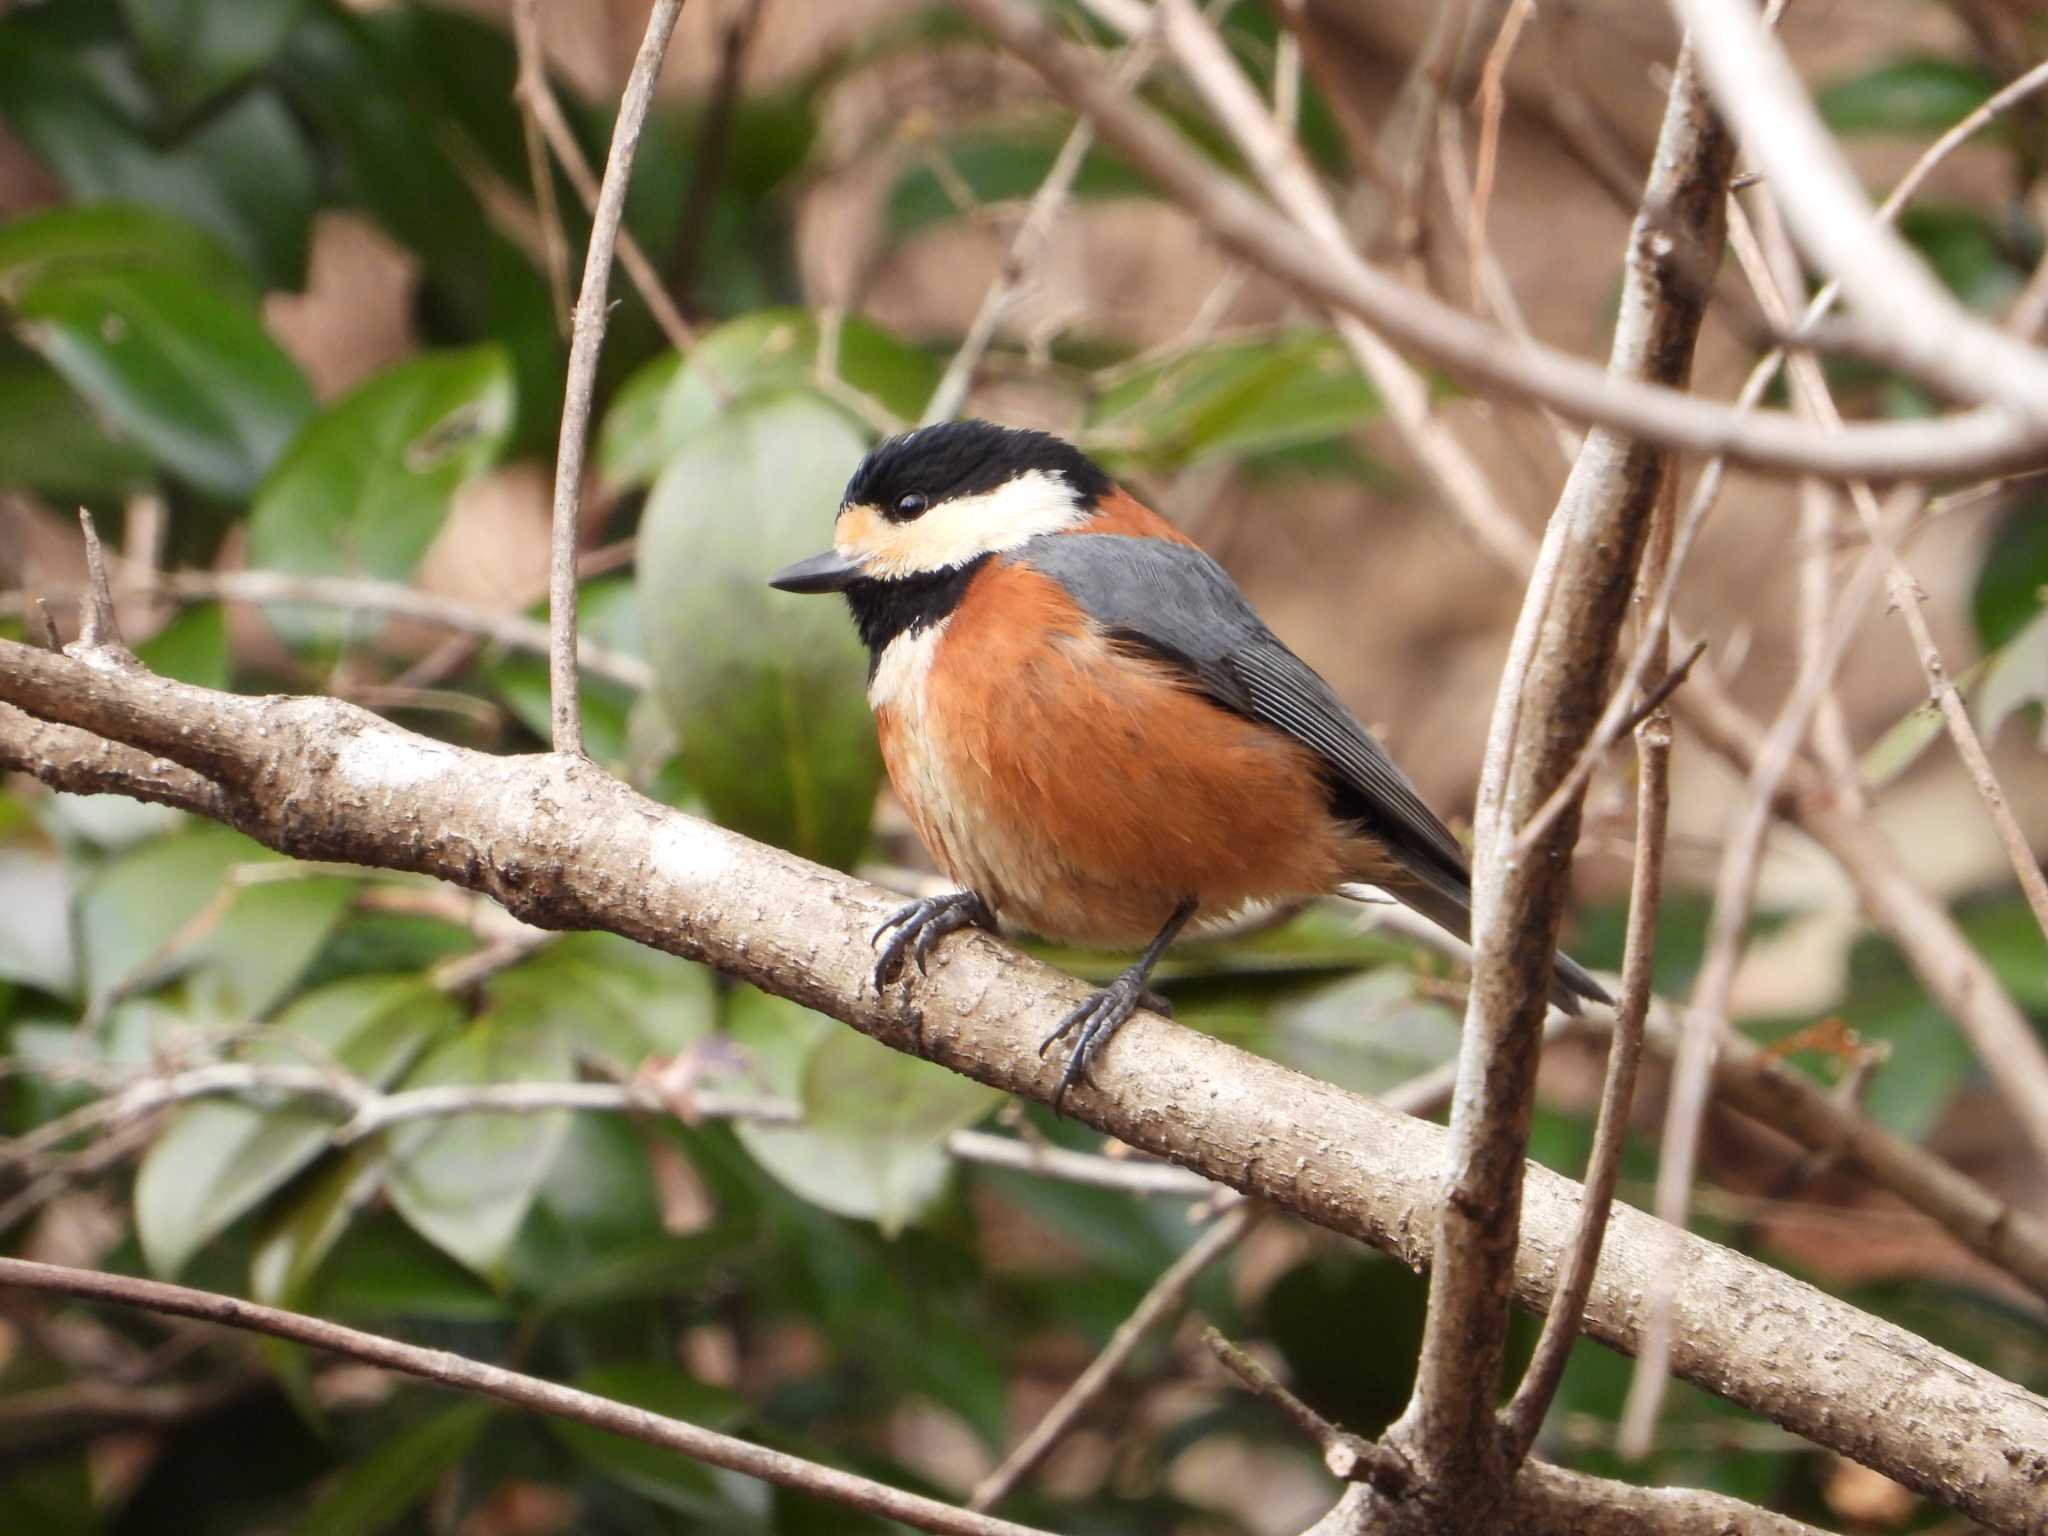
point(829, 572)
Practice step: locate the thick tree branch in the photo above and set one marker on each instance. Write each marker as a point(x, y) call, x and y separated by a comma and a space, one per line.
point(564, 845)
point(1550, 699)
point(1978, 441)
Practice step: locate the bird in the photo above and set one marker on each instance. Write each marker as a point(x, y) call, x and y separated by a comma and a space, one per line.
point(1096, 737)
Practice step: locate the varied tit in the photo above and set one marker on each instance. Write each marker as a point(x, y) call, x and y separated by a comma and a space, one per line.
point(1093, 733)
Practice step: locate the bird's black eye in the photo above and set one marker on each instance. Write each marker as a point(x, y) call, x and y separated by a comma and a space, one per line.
point(910, 504)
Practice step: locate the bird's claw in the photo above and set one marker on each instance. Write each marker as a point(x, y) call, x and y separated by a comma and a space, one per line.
point(1094, 1020)
point(920, 925)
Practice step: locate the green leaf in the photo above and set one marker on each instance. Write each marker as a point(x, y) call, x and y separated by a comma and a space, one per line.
point(767, 692)
point(242, 966)
point(622, 1000)
point(1367, 1033)
point(244, 171)
point(193, 647)
point(186, 373)
point(607, 614)
point(35, 941)
point(464, 1182)
point(1233, 400)
point(398, 161)
point(723, 1501)
point(2012, 583)
point(133, 907)
point(668, 404)
point(1920, 95)
point(197, 48)
point(999, 168)
point(365, 487)
point(872, 1143)
point(1969, 253)
point(2014, 677)
point(51, 442)
point(97, 236)
point(219, 1158)
point(294, 1244)
point(1912, 734)
point(372, 1493)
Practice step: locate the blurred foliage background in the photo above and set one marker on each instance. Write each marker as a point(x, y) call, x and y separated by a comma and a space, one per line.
point(283, 306)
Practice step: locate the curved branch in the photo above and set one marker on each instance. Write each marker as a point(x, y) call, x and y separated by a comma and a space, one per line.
point(1976, 441)
point(564, 845)
point(464, 1375)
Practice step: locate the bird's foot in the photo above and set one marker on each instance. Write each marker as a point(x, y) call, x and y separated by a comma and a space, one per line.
point(1095, 1020)
point(919, 925)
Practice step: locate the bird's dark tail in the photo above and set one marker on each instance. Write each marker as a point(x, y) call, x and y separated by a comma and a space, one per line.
point(1572, 985)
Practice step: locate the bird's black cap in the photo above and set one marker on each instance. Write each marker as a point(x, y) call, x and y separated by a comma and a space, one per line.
point(965, 458)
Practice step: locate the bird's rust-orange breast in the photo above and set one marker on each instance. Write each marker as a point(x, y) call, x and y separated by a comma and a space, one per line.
point(1083, 789)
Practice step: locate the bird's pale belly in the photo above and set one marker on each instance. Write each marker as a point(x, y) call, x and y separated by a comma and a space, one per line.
point(1085, 794)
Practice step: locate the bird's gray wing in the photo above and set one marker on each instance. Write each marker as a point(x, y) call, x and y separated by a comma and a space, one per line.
point(1173, 602)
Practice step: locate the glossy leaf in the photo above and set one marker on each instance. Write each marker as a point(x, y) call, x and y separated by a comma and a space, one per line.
point(93, 236)
point(35, 940)
point(767, 692)
point(723, 1501)
point(186, 373)
point(872, 1143)
point(1369, 1032)
point(366, 486)
point(300, 1237)
point(51, 441)
point(464, 1182)
point(998, 168)
point(400, 164)
point(373, 1493)
point(2012, 583)
point(242, 965)
point(607, 614)
point(622, 1000)
point(197, 48)
point(2015, 677)
point(133, 908)
point(192, 647)
point(669, 404)
point(218, 1158)
point(1967, 251)
point(243, 172)
point(1922, 95)
point(1233, 400)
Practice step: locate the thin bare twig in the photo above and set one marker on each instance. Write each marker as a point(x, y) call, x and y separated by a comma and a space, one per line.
point(1492, 98)
point(1708, 487)
point(1280, 164)
point(530, 85)
point(1824, 204)
point(1976, 441)
point(1351, 1457)
point(1163, 1300)
point(1523, 1417)
point(707, 166)
point(512, 630)
point(537, 97)
point(529, 1392)
point(1026, 244)
point(585, 345)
